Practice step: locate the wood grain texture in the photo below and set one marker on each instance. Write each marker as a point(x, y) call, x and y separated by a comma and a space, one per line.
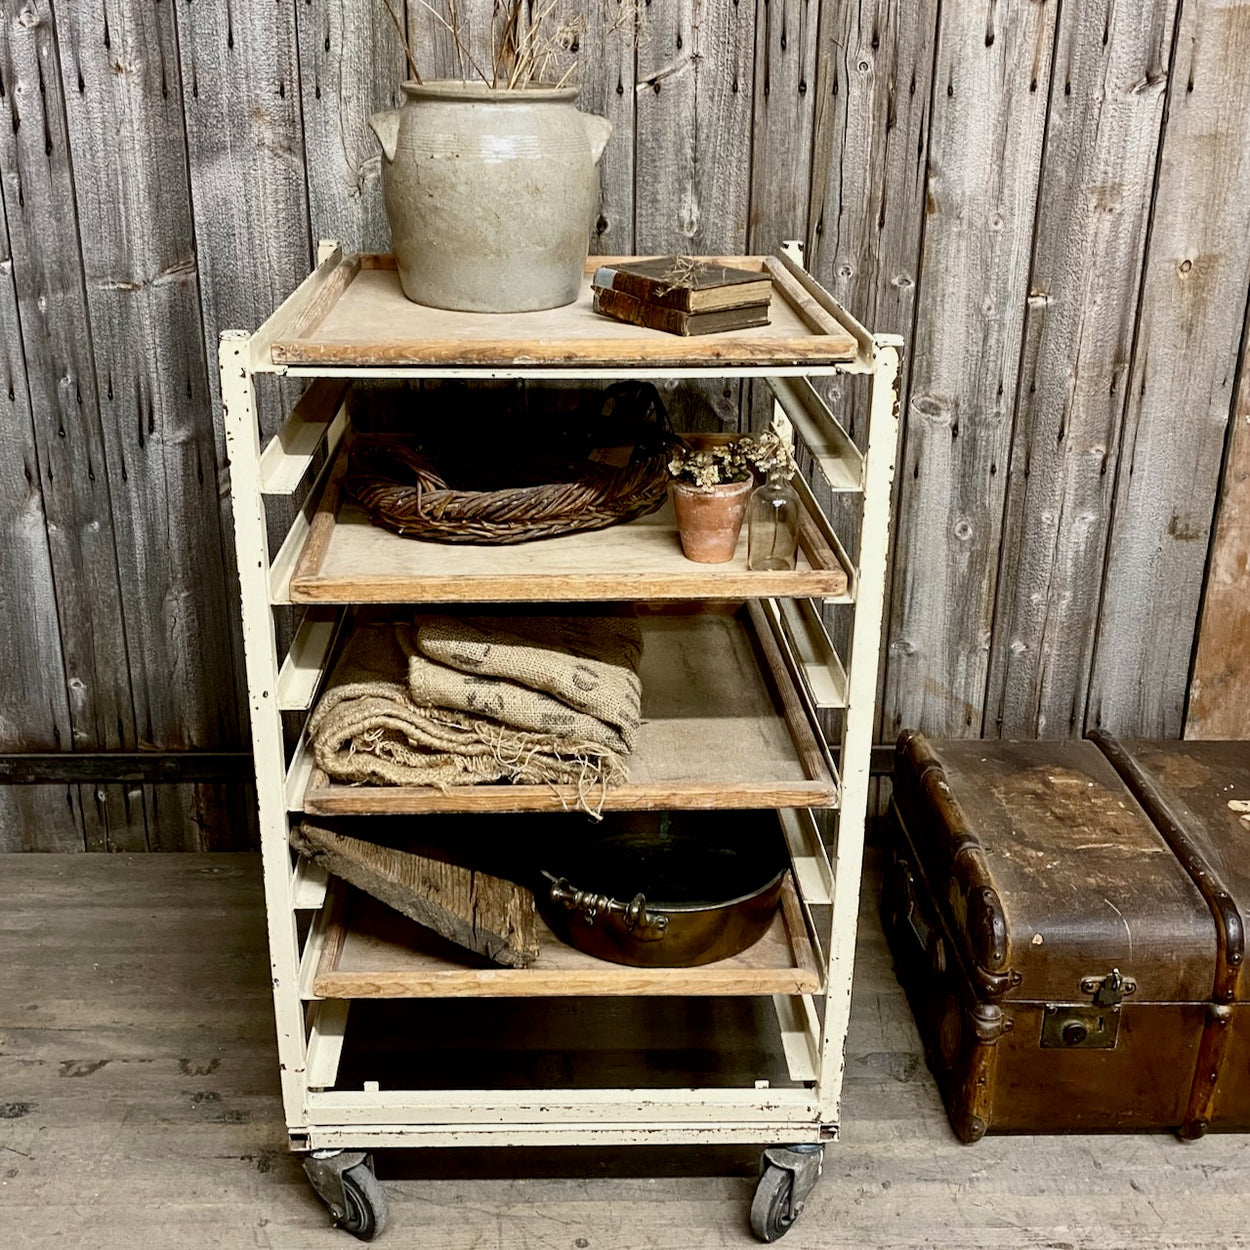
point(784, 103)
point(486, 915)
point(991, 80)
point(383, 955)
point(346, 559)
point(351, 66)
point(70, 441)
point(245, 148)
point(1189, 331)
point(873, 80)
point(435, 50)
point(134, 212)
point(607, 88)
point(34, 703)
point(694, 91)
point(123, 1072)
point(360, 316)
point(1219, 693)
point(245, 140)
point(722, 728)
point(1093, 209)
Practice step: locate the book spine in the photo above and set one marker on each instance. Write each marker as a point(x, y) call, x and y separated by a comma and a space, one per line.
point(652, 290)
point(623, 307)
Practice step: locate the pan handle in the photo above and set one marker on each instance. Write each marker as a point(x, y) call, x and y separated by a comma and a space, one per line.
point(641, 924)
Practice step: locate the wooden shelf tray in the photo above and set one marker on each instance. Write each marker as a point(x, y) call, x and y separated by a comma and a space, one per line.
point(357, 315)
point(723, 727)
point(371, 951)
point(348, 559)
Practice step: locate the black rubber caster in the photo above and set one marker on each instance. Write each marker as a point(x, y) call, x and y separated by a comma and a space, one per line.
point(787, 1175)
point(345, 1182)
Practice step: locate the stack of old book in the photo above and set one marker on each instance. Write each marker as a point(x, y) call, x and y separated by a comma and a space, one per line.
point(681, 295)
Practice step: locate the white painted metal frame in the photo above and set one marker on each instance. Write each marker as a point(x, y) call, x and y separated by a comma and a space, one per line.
point(310, 1039)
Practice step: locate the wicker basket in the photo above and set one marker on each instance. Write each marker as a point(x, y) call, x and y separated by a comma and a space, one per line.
point(497, 496)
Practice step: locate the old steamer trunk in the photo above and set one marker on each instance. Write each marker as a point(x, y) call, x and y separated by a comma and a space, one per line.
point(1073, 958)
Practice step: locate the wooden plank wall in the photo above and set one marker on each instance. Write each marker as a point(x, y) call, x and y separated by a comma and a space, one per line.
point(1051, 202)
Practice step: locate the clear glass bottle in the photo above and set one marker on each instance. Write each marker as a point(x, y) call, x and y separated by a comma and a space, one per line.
point(773, 524)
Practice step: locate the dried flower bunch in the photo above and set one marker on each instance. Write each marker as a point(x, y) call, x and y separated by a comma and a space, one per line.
point(533, 42)
point(734, 461)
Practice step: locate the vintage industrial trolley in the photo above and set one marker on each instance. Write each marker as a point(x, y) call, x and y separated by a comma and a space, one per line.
point(758, 745)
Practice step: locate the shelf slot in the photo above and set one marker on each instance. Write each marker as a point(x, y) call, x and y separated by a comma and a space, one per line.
point(327, 1023)
point(800, 1034)
point(814, 515)
point(319, 417)
point(831, 446)
point(299, 537)
point(811, 650)
point(305, 664)
point(812, 869)
point(314, 946)
point(300, 772)
point(308, 886)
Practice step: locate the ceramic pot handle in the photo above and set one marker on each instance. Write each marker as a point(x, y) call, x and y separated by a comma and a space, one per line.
point(598, 131)
point(386, 127)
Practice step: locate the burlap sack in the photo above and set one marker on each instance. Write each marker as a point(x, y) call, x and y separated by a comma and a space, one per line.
point(367, 726)
point(570, 677)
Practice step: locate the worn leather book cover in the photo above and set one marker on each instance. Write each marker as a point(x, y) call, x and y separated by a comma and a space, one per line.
point(690, 286)
point(622, 307)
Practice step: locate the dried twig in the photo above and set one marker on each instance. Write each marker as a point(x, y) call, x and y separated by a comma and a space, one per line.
point(463, 54)
point(403, 39)
point(526, 53)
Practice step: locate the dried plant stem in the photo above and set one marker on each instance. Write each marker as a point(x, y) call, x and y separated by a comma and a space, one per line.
point(524, 52)
point(403, 39)
point(462, 52)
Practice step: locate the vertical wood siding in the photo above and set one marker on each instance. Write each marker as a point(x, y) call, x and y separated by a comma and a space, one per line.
point(1050, 201)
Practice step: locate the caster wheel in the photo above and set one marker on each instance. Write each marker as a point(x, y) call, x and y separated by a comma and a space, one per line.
point(771, 1214)
point(366, 1210)
point(345, 1182)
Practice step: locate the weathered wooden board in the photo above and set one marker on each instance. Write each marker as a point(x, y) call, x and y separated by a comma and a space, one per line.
point(783, 101)
point(351, 63)
point(1111, 65)
point(73, 462)
point(34, 703)
point(607, 88)
point(134, 217)
point(695, 76)
point(111, 1069)
point(245, 141)
point(1219, 693)
point(1193, 305)
point(784, 104)
point(487, 915)
point(245, 145)
point(991, 74)
point(870, 159)
point(431, 26)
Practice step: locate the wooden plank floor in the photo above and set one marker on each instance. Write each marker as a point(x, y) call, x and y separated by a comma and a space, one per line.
point(138, 1107)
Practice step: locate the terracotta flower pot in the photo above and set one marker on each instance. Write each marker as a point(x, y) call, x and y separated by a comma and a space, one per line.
point(709, 519)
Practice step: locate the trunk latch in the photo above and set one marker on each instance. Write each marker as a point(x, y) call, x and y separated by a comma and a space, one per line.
point(1088, 1026)
point(1111, 990)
